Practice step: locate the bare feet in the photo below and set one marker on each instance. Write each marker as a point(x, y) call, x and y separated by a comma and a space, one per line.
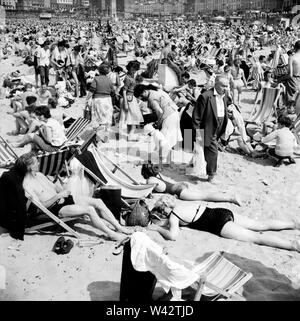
point(118, 237)
point(125, 230)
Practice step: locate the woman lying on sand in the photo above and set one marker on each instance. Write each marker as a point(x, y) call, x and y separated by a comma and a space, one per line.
point(182, 190)
point(168, 214)
point(61, 203)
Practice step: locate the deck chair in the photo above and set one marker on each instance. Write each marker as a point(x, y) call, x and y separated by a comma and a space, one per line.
point(7, 155)
point(52, 164)
point(144, 264)
point(55, 219)
point(267, 107)
point(76, 129)
point(128, 190)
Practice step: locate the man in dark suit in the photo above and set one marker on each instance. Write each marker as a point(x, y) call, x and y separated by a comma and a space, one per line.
point(210, 114)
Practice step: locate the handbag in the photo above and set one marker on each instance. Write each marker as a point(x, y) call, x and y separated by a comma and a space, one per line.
point(87, 113)
point(139, 214)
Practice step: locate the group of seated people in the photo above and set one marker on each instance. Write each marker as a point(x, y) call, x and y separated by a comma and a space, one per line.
point(167, 215)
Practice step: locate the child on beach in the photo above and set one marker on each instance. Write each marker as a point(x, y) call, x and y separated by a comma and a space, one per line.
point(285, 141)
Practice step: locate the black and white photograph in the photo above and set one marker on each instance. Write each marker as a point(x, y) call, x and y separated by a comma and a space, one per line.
point(149, 153)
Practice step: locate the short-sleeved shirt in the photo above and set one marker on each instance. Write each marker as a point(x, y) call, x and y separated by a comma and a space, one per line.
point(101, 86)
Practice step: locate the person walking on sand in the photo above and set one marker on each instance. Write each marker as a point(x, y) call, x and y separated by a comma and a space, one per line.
point(210, 114)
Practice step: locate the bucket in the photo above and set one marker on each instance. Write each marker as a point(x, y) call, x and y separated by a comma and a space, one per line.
point(111, 196)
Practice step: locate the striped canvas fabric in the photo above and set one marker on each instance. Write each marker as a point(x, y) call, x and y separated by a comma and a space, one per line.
point(52, 163)
point(77, 128)
point(266, 108)
point(7, 155)
point(222, 274)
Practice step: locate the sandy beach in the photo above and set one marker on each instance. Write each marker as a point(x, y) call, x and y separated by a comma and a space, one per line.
point(34, 272)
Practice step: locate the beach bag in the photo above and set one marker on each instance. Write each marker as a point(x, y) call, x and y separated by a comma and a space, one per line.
point(199, 163)
point(139, 214)
point(87, 113)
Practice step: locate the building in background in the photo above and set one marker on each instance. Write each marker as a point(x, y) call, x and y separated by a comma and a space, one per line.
point(8, 4)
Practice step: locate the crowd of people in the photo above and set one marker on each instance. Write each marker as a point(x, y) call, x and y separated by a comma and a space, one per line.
point(83, 59)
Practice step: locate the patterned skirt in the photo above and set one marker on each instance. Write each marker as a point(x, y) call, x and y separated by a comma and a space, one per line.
point(102, 111)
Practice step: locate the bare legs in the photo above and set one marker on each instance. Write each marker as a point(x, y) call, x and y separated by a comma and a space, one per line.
point(79, 210)
point(247, 230)
point(105, 213)
point(194, 195)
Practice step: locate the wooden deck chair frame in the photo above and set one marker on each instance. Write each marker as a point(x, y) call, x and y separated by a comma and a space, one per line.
point(60, 222)
point(236, 282)
point(7, 155)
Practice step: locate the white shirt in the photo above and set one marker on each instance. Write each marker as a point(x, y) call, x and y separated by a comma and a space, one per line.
point(220, 104)
point(58, 133)
point(44, 56)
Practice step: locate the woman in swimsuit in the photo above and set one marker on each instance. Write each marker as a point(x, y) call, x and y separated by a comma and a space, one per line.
point(182, 190)
point(169, 214)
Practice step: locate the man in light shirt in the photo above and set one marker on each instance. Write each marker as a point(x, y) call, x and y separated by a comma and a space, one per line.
point(285, 141)
point(210, 114)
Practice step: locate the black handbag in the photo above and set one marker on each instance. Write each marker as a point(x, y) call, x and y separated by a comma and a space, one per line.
point(87, 113)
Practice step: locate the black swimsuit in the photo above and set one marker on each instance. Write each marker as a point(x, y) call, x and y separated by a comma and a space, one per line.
point(174, 189)
point(212, 220)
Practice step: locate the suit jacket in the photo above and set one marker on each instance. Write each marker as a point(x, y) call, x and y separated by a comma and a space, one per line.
point(205, 115)
point(13, 213)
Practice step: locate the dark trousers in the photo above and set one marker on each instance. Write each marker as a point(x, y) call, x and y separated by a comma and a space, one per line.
point(44, 72)
point(211, 151)
point(211, 157)
point(135, 286)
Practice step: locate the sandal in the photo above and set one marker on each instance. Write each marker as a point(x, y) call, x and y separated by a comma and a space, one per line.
point(67, 246)
point(58, 245)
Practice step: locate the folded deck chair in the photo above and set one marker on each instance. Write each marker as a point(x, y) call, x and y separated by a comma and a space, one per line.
point(7, 155)
point(76, 129)
point(128, 190)
point(144, 264)
point(267, 107)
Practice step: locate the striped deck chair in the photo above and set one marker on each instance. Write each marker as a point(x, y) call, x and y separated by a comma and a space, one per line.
point(215, 277)
point(267, 107)
point(7, 155)
point(74, 131)
point(51, 164)
point(54, 219)
point(220, 278)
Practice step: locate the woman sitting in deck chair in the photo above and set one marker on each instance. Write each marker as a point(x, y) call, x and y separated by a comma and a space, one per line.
point(61, 203)
point(168, 214)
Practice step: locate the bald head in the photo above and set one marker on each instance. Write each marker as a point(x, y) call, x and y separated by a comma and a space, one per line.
point(221, 84)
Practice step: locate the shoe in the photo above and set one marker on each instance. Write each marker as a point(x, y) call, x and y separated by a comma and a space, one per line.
point(67, 246)
point(58, 245)
point(292, 161)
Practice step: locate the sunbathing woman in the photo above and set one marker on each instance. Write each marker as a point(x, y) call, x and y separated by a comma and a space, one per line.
point(182, 190)
point(168, 214)
point(61, 203)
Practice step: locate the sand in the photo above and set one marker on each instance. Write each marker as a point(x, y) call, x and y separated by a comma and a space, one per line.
point(34, 272)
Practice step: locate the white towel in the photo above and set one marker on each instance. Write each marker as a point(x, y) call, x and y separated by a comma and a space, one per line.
point(146, 255)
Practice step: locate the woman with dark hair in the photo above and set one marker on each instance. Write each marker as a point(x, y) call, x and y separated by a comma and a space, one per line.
point(51, 135)
point(182, 190)
point(169, 214)
point(101, 91)
point(168, 117)
point(130, 113)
